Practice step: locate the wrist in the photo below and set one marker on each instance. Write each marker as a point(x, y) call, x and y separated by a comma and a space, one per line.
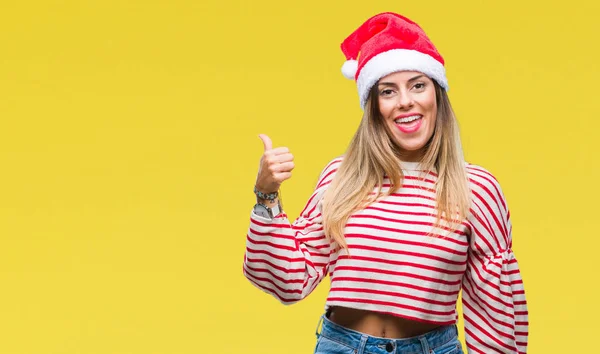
point(268, 202)
point(261, 194)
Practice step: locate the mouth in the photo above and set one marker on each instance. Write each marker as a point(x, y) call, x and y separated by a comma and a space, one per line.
point(409, 124)
point(408, 119)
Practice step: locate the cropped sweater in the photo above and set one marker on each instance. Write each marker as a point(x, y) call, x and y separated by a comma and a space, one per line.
point(398, 263)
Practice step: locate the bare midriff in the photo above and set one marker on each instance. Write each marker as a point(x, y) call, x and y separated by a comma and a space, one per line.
point(378, 324)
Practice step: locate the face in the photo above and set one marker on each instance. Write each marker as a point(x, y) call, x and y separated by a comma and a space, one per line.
point(408, 106)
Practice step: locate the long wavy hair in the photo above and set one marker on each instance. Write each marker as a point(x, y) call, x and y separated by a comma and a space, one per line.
point(372, 153)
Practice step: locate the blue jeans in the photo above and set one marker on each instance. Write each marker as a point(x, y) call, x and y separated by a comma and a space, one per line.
point(335, 339)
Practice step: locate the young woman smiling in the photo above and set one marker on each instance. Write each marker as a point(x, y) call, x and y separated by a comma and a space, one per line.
point(400, 223)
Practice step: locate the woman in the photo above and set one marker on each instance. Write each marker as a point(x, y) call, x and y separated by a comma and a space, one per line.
point(400, 223)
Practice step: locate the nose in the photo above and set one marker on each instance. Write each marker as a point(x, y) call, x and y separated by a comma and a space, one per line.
point(405, 101)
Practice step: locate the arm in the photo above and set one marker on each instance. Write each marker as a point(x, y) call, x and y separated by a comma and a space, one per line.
point(493, 297)
point(288, 260)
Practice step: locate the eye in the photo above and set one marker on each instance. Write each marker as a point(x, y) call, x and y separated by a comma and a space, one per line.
point(386, 92)
point(419, 86)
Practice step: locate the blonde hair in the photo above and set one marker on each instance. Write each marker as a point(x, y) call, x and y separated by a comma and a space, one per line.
point(373, 153)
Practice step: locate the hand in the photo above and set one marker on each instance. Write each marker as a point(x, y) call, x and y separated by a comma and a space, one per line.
point(276, 166)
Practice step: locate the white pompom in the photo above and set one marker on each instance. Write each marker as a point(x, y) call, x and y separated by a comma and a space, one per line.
point(349, 68)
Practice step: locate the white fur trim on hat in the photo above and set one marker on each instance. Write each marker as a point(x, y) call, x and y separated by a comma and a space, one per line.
point(398, 60)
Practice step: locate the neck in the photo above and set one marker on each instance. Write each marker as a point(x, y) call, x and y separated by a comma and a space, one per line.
point(411, 156)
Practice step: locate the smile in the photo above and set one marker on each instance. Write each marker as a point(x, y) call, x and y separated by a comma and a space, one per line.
point(408, 119)
point(409, 124)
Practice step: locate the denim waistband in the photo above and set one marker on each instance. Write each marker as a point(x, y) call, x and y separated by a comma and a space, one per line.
point(417, 344)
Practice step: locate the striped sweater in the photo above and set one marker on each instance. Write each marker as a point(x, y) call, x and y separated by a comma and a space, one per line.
point(397, 265)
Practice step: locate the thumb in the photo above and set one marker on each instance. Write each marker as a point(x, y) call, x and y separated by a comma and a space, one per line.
point(268, 144)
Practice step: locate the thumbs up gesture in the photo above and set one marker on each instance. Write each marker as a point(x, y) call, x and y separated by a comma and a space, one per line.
point(276, 166)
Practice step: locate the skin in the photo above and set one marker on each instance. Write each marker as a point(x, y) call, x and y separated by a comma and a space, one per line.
point(400, 93)
point(379, 324)
point(408, 92)
point(276, 165)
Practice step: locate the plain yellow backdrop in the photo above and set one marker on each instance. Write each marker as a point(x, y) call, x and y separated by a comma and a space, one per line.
point(129, 148)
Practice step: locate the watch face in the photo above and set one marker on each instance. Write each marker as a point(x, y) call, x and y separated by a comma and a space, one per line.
point(261, 210)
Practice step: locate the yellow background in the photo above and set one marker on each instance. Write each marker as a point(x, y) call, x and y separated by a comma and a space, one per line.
point(129, 149)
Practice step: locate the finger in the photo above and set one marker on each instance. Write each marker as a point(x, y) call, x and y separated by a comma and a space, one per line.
point(270, 159)
point(282, 176)
point(282, 158)
point(267, 143)
point(279, 151)
point(282, 167)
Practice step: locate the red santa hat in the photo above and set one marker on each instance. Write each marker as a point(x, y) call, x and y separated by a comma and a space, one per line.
point(388, 43)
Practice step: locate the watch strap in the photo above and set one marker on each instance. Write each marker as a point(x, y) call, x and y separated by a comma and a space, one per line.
point(276, 210)
point(273, 212)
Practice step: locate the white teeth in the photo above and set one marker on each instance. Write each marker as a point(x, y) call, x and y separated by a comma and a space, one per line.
point(407, 119)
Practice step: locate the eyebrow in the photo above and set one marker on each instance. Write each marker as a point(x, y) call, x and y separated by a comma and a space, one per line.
point(393, 84)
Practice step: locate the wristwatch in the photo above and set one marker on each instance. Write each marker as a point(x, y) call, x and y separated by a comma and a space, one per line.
point(266, 212)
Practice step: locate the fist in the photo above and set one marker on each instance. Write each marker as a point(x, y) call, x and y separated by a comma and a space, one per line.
point(276, 166)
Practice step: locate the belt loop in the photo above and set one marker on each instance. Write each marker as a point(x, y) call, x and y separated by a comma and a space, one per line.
point(319, 324)
point(363, 344)
point(425, 344)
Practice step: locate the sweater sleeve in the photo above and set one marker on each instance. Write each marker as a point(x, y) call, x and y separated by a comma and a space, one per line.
point(493, 297)
point(287, 260)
